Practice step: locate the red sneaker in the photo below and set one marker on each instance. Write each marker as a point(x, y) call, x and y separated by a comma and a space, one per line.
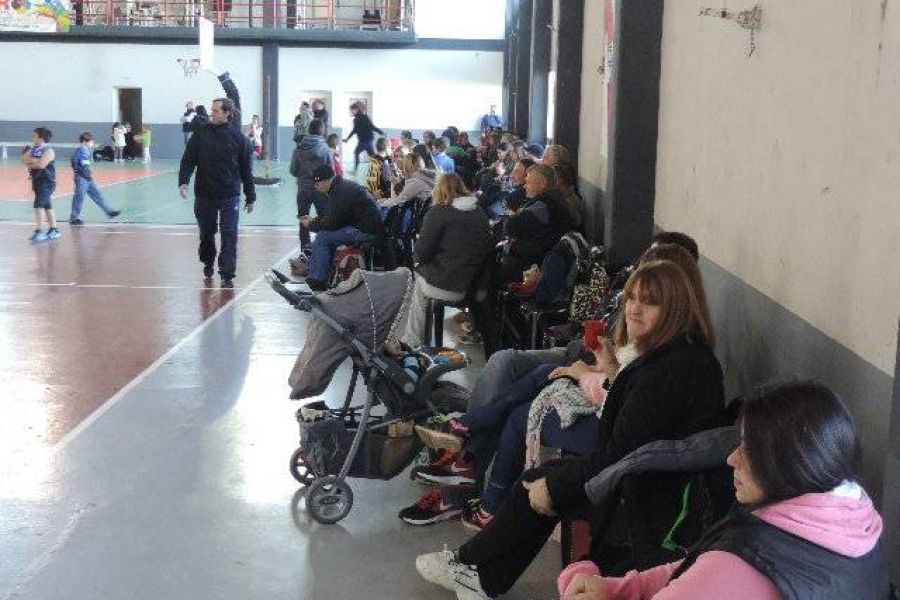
point(429, 509)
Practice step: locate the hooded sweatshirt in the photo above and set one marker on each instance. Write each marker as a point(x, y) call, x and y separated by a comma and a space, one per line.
point(842, 521)
point(453, 244)
point(311, 153)
point(420, 185)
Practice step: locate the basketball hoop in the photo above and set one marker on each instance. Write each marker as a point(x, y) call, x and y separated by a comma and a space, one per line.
point(190, 66)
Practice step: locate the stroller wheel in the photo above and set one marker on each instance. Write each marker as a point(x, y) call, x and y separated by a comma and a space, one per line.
point(300, 468)
point(329, 500)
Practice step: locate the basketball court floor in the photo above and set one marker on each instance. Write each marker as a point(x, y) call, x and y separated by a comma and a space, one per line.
point(146, 430)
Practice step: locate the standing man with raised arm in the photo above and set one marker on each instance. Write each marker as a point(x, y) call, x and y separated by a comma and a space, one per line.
point(222, 156)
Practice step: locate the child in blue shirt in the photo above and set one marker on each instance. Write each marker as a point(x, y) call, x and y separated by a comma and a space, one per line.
point(39, 159)
point(84, 182)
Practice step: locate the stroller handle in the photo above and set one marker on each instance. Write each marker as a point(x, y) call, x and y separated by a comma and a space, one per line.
point(295, 299)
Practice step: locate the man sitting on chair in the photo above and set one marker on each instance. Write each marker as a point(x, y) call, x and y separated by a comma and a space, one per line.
point(351, 217)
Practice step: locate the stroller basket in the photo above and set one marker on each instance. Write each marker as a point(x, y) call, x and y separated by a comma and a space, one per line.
point(382, 454)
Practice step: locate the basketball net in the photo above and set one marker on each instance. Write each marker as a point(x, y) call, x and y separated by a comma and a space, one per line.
point(190, 66)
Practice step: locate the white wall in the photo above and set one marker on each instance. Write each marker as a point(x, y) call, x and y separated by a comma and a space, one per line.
point(411, 89)
point(77, 81)
point(785, 165)
point(461, 19)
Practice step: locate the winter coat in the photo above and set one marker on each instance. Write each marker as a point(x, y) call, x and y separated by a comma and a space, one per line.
point(536, 228)
point(417, 187)
point(223, 158)
point(670, 392)
point(363, 129)
point(311, 153)
point(301, 124)
point(815, 546)
point(348, 204)
point(453, 244)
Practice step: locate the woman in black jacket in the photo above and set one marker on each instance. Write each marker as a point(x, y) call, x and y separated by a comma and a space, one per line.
point(672, 389)
point(364, 130)
point(453, 243)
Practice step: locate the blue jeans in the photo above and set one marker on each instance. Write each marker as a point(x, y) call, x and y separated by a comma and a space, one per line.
point(580, 438)
point(87, 186)
point(327, 242)
point(212, 215)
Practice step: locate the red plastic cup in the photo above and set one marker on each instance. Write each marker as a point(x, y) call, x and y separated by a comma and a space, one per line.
point(593, 331)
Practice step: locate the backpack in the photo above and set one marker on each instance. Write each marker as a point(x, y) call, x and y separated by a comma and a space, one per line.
point(559, 270)
point(347, 259)
point(591, 288)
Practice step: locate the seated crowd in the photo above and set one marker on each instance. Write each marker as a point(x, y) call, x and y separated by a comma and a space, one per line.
point(640, 434)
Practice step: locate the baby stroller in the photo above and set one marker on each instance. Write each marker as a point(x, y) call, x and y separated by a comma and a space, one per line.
point(355, 320)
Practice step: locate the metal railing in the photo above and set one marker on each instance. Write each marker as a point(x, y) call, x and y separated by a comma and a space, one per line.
point(374, 15)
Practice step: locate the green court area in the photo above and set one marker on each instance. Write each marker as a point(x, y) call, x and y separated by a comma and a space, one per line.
point(155, 199)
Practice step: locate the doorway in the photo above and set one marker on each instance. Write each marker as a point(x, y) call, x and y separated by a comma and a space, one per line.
point(130, 107)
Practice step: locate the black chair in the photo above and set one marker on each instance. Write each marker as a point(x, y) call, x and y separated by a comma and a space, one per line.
point(477, 293)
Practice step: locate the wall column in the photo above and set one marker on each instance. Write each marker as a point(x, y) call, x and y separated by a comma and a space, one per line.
point(523, 68)
point(270, 108)
point(569, 20)
point(541, 35)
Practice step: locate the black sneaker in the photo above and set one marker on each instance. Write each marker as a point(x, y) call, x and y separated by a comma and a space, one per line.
point(76, 222)
point(208, 271)
point(227, 283)
point(115, 214)
point(430, 509)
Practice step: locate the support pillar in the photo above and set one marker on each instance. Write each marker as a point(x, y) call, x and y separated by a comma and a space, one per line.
point(569, 32)
point(541, 33)
point(270, 96)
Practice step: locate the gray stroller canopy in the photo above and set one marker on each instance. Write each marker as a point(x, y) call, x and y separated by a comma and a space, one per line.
point(363, 297)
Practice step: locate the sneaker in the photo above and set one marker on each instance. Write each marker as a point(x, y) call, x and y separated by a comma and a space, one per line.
point(114, 214)
point(450, 436)
point(444, 460)
point(470, 339)
point(467, 583)
point(208, 271)
point(299, 267)
point(227, 282)
point(459, 472)
point(76, 222)
point(54, 234)
point(429, 509)
point(475, 517)
point(437, 568)
point(38, 236)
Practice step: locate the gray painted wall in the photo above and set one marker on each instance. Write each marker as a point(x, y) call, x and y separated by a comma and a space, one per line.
point(758, 339)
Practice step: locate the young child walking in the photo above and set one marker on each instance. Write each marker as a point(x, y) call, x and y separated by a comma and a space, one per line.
point(118, 139)
point(39, 159)
point(84, 181)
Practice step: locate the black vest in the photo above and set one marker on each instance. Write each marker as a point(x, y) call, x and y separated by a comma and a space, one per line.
point(800, 569)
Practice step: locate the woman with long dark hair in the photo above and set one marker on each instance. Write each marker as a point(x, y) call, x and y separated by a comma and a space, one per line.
point(802, 527)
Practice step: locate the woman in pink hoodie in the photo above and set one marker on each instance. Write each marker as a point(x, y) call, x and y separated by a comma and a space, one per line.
point(802, 527)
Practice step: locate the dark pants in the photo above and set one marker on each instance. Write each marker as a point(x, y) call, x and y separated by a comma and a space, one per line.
point(514, 537)
point(306, 199)
point(212, 215)
point(363, 145)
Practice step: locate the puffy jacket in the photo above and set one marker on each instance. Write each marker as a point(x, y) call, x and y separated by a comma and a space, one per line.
point(816, 546)
point(417, 187)
point(311, 153)
point(348, 204)
point(453, 244)
point(222, 156)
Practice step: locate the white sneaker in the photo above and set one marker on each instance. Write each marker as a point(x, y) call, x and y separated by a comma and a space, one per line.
point(467, 584)
point(437, 568)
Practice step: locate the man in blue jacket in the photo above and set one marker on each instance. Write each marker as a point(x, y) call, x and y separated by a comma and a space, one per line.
point(351, 218)
point(222, 156)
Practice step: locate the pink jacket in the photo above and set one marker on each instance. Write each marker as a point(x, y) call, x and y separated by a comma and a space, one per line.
point(843, 521)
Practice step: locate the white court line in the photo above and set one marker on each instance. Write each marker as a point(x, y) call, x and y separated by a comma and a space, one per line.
point(139, 227)
point(115, 398)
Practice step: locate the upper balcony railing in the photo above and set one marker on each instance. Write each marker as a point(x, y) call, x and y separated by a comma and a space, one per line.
point(374, 15)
